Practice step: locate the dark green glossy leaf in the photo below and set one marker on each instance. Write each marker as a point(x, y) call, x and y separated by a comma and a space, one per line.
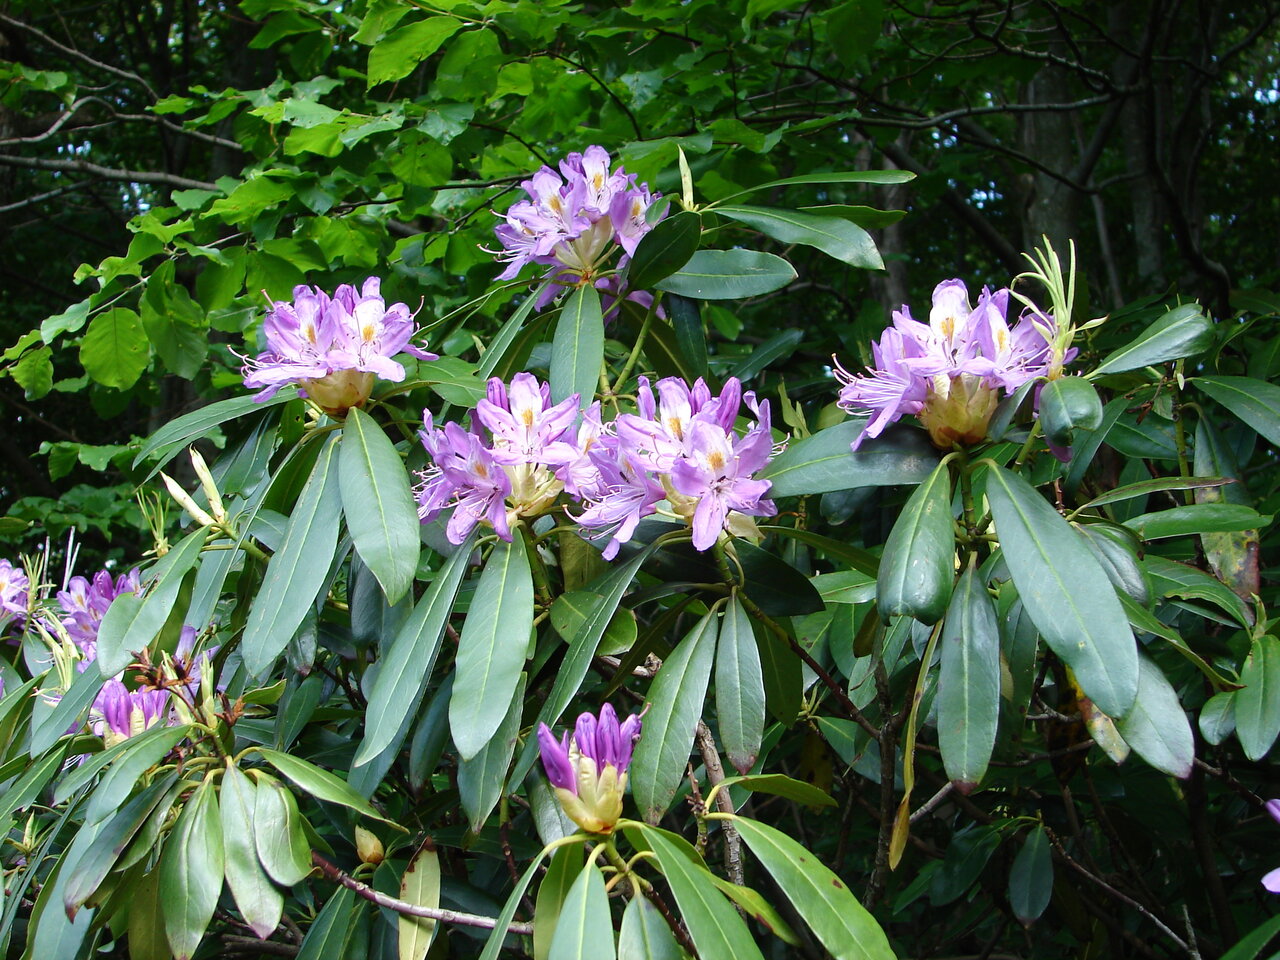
point(175, 434)
point(664, 250)
point(378, 504)
point(1156, 726)
point(481, 779)
point(1258, 702)
point(676, 699)
point(917, 569)
point(260, 903)
point(968, 682)
point(1144, 488)
point(327, 936)
point(824, 461)
point(1069, 404)
point(299, 570)
point(1031, 877)
point(739, 688)
point(191, 870)
point(1251, 945)
point(1197, 518)
point(584, 928)
point(278, 835)
point(502, 342)
point(1066, 592)
point(1182, 332)
point(577, 349)
point(1170, 578)
point(562, 871)
point(320, 783)
point(141, 753)
point(1255, 402)
point(775, 348)
point(782, 786)
point(492, 646)
point(690, 335)
point(644, 934)
point(1217, 718)
point(836, 237)
point(841, 176)
point(729, 275)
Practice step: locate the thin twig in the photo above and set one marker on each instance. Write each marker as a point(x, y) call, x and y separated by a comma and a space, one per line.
point(715, 773)
point(107, 173)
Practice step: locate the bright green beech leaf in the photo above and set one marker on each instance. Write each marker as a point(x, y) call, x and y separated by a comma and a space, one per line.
point(115, 349)
point(577, 349)
point(838, 920)
point(739, 687)
point(729, 275)
point(1182, 332)
point(1156, 726)
point(676, 700)
point(1066, 592)
point(968, 682)
point(378, 504)
point(407, 46)
point(297, 572)
point(1031, 877)
point(1258, 701)
point(834, 236)
point(191, 870)
point(917, 569)
point(824, 462)
point(584, 928)
point(403, 672)
point(492, 646)
point(1255, 402)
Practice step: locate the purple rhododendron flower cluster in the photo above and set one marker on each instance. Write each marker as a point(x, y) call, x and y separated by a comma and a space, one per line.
point(119, 713)
point(574, 220)
point(335, 347)
point(14, 590)
point(85, 602)
point(588, 770)
point(522, 451)
point(949, 371)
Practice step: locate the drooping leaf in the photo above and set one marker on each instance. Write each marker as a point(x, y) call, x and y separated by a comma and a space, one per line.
point(378, 504)
point(577, 349)
point(917, 569)
point(1156, 726)
point(492, 647)
point(562, 871)
point(644, 935)
point(1031, 877)
point(278, 835)
point(584, 928)
point(481, 779)
point(420, 886)
point(739, 688)
point(1258, 702)
point(260, 902)
point(191, 870)
point(141, 753)
point(968, 682)
point(320, 783)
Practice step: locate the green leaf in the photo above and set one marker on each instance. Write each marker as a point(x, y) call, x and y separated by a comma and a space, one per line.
point(835, 916)
point(320, 783)
point(1157, 726)
point(644, 934)
point(260, 903)
point(917, 569)
point(493, 945)
point(729, 275)
point(1251, 945)
point(496, 352)
point(842, 176)
point(570, 610)
point(781, 344)
point(1031, 877)
point(1197, 518)
point(278, 835)
point(664, 250)
point(129, 627)
point(562, 871)
point(715, 927)
point(378, 504)
point(481, 778)
point(779, 785)
point(1258, 702)
point(1169, 578)
point(1255, 402)
point(492, 647)
point(1066, 592)
point(298, 571)
point(141, 753)
point(824, 462)
point(420, 885)
point(739, 688)
point(1182, 332)
point(690, 334)
point(1144, 621)
point(34, 372)
point(1217, 719)
point(836, 237)
point(327, 936)
point(968, 682)
point(1069, 404)
point(114, 351)
point(49, 722)
point(577, 349)
point(1145, 488)
point(403, 672)
point(191, 870)
point(584, 928)
point(178, 433)
point(676, 699)
point(407, 46)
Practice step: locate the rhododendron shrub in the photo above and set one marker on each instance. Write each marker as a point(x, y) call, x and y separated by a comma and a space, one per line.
point(345, 674)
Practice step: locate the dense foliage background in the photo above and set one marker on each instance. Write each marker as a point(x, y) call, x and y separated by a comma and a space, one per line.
point(165, 164)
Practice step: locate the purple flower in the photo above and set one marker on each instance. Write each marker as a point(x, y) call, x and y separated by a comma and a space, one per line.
point(1272, 880)
point(14, 594)
point(574, 220)
point(462, 475)
point(949, 371)
point(335, 347)
point(187, 665)
point(84, 603)
point(526, 427)
point(589, 769)
point(119, 713)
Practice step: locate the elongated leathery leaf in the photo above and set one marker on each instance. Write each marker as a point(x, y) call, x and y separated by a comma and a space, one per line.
point(1066, 592)
point(917, 569)
point(676, 699)
point(1182, 332)
point(378, 504)
point(480, 779)
point(260, 902)
point(420, 885)
point(969, 682)
point(739, 688)
point(1156, 725)
point(834, 236)
point(1255, 402)
point(562, 871)
point(824, 462)
point(843, 925)
point(278, 836)
point(491, 649)
point(729, 275)
point(1258, 702)
point(584, 928)
point(403, 671)
point(191, 870)
point(1031, 877)
point(577, 349)
point(644, 934)
point(177, 433)
point(298, 572)
point(664, 250)
point(320, 783)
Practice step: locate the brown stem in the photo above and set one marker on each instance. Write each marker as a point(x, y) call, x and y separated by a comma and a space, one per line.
point(715, 773)
point(338, 875)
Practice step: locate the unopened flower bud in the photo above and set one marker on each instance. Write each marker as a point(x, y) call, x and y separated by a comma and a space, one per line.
point(958, 409)
point(368, 847)
point(185, 501)
point(206, 483)
point(589, 769)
